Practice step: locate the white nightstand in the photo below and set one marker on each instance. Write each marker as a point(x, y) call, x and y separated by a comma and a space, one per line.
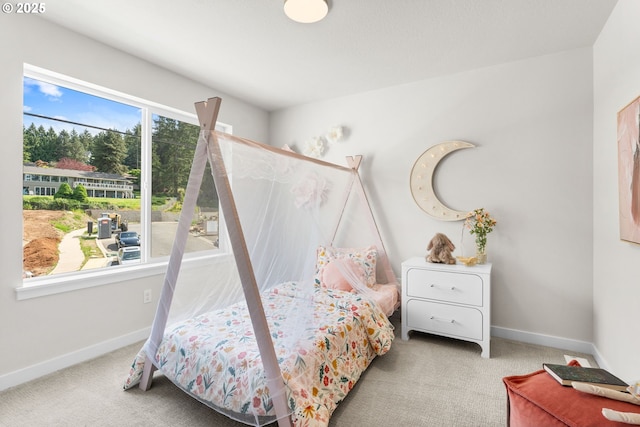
point(449, 300)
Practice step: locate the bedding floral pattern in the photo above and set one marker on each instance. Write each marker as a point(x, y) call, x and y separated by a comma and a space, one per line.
point(365, 257)
point(215, 357)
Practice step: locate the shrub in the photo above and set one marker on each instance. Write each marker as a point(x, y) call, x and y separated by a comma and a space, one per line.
point(64, 192)
point(80, 194)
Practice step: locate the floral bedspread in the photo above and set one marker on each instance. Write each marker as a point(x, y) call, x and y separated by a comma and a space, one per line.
point(215, 357)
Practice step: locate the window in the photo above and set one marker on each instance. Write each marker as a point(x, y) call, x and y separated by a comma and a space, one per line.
point(103, 154)
point(43, 191)
point(172, 149)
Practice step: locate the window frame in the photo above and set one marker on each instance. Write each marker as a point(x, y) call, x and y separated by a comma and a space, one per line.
point(65, 282)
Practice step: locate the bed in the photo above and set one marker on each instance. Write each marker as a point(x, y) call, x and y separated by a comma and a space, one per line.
point(281, 323)
point(221, 366)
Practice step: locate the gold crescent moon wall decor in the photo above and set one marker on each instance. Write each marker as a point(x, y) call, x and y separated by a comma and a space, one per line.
point(422, 181)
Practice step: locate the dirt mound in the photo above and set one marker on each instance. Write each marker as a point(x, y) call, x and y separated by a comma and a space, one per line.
point(40, 239)
point(40, 255)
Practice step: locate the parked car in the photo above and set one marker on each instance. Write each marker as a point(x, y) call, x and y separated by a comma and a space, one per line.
point(127, 238)
point(129, 255)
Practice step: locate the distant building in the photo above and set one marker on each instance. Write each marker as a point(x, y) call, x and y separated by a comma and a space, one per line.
point(45, 181)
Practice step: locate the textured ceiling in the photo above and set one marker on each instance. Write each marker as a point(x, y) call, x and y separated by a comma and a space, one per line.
point(249, 49)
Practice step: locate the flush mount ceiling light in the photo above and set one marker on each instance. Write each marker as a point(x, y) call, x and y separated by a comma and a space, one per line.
point(306, 11)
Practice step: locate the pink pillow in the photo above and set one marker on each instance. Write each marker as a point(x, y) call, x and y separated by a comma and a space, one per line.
point(332, 276)
point(365, 257)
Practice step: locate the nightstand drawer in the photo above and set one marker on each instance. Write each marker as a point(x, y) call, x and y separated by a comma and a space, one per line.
point(445, 286)
point(451, 320)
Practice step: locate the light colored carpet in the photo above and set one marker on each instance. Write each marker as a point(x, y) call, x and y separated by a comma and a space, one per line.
point(425, 381)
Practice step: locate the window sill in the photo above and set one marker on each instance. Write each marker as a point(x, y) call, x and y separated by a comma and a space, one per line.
point(44, 286)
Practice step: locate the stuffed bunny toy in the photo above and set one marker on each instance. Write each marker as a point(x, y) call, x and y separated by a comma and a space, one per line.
point(441, 248)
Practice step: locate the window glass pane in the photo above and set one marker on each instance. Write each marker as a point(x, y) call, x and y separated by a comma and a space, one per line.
point(173, 148)
point(80, 146)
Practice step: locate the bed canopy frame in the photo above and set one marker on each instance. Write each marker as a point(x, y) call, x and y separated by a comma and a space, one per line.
point(209, 149)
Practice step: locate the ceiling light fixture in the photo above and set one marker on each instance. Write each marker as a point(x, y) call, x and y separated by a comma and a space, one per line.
point(306, 11)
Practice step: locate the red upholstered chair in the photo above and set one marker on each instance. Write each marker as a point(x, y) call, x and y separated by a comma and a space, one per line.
point(538, 400)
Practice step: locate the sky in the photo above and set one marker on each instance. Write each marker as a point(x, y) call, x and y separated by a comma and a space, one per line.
point(63, 103)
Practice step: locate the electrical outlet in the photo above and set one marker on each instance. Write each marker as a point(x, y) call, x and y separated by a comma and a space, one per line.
point(147, 296)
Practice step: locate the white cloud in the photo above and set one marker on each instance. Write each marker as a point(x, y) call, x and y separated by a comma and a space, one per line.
point(26, 108)
point(47, 89)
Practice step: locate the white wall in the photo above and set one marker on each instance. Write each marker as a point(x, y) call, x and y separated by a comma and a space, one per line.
point(616, 263)
point(545, 166)
point(40, 334)
point(532, 169)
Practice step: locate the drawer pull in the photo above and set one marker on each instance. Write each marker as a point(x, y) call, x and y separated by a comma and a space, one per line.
point(453, 288)
point(440, 319)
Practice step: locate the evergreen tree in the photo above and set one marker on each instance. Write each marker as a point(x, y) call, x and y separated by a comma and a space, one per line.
point(208, 197)
point(172, 153)
point(133, 141)
point(50, 146)
point(29, 142)
point(76, 149)
point(86, 142)
point(40, 148)
point(173, 148)
point(63, 146)
point(64, 192)
point(109, 153)
point(157, 186)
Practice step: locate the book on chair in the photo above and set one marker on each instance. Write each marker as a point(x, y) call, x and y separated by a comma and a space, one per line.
point(566, 374)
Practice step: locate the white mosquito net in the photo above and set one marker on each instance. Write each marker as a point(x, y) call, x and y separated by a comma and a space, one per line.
point(288, 218)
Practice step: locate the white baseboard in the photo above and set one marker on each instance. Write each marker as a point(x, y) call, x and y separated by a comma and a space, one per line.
point(29, 373)
point(551, 341)
point(545, 340)
point(38, 370)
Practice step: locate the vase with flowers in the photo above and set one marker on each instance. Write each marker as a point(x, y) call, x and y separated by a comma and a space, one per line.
point(480, 223)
